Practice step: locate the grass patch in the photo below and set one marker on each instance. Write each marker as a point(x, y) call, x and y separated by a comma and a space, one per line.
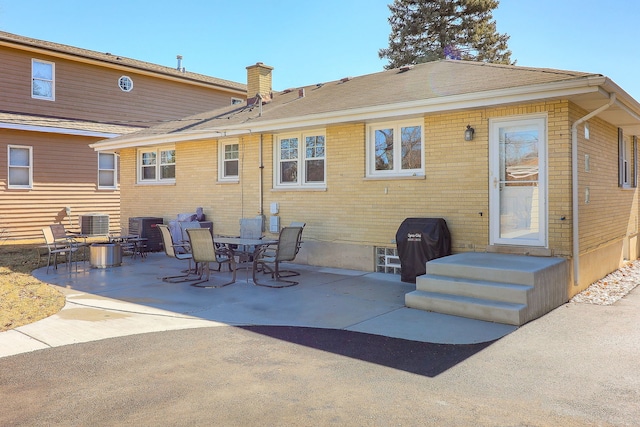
point(23, 298)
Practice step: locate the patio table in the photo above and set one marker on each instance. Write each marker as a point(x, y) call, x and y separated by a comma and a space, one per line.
point(137, 244)
point(233, 242)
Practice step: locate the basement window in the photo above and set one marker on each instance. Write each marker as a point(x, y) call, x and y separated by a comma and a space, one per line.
point(387, 260)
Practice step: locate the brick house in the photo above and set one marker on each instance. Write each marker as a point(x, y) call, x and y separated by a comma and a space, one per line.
point(548, 167)
point(58, 99)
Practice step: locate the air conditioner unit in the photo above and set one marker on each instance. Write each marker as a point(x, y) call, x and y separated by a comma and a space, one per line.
point(145, 226)
point(94, 224)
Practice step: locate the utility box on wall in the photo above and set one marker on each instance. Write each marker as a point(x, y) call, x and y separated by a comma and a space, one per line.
point(274, 224)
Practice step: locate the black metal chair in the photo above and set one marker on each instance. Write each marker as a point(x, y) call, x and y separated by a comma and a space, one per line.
point(66, 246)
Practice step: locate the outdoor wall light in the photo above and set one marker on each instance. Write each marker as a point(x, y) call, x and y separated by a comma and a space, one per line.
point(468, 134)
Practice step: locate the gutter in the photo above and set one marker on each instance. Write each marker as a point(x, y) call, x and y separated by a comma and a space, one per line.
point(384, 111)
point(574, 184)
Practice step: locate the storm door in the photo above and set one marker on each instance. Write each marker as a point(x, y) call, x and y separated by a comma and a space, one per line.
point(518, 181)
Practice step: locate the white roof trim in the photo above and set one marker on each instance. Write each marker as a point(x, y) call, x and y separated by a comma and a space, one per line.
point(64, 131)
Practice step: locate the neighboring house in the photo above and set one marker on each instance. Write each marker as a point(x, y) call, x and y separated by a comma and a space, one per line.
point(56, 100)
point(550, 169)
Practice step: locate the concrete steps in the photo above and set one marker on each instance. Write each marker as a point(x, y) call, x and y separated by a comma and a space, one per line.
point(511, 289)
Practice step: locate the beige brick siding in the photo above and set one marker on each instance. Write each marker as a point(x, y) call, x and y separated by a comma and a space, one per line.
point(367, 212)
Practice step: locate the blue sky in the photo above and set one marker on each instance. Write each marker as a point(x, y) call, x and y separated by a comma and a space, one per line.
point(309, 42)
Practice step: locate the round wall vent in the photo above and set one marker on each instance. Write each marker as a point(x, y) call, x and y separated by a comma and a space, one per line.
point(125, 83)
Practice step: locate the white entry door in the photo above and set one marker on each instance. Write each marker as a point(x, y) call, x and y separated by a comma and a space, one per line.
point(518, 181)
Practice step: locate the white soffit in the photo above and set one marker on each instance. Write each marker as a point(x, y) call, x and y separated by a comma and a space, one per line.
point(64, 131)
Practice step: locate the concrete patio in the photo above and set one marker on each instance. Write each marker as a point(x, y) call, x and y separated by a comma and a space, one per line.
point(131, 299)
point(198, 365)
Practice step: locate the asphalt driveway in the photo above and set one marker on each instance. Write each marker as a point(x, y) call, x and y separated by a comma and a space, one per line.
point(576, 366)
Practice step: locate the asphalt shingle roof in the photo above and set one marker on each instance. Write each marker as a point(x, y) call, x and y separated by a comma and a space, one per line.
point(421, 82)
point(32, 120)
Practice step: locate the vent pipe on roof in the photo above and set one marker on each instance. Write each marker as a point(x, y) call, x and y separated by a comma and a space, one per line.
point(180, 67)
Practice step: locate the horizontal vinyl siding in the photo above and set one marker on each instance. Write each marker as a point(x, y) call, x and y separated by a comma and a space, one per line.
point(90, 92)
point(15, 80)
point(64, 174)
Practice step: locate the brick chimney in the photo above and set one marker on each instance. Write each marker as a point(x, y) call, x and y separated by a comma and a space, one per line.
point(258, 82)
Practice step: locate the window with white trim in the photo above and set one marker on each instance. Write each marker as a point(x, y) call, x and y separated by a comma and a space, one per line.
point(107, 171)
point(395, 149)
point(627, 161)
point(300, 160)
point(157, 165)
point(229, 160)
point(42, 80)
point(20, 166)
point(236, 101)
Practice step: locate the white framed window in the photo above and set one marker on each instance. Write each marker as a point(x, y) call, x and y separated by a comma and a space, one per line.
point(395, 149)
point(235, 101)
point(42, 80)
point(157, 165)
point(627, 161)
point(300, 160)
point(229, 160)
point(125, 83)
point(107, 171)
point(20, 166)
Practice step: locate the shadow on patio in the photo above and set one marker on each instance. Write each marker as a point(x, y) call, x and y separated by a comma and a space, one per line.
point(352, 313)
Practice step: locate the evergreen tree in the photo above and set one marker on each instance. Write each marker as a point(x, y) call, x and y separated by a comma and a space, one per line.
point(429, 30)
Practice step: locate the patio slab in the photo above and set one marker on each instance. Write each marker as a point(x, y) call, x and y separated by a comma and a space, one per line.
point(132, 299)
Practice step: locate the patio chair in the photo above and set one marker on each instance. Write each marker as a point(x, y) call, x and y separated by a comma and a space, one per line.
point(60, 246)
point(170, 250)
point(270, 250)
point(250, 228)
point(184, 225)
point(60, 234)
point(301, 225)
point(268, 259)
point(205, 252)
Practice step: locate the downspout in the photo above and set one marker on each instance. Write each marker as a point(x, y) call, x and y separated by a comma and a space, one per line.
point(574, 184)
point(261, 178)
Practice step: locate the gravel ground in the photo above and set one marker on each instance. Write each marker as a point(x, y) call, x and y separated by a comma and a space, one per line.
point(612, 287)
